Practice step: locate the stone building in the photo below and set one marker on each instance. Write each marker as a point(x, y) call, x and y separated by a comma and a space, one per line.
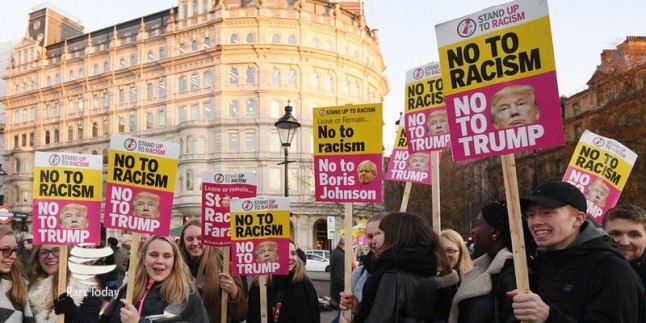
point(212, 76)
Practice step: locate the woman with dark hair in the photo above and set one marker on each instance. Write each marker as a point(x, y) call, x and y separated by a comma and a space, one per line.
point(482, 293)
point(290, 298)
point(205, 265)
point(163, 289)
point(403, 285)
point(13, 289)
point(82, 305)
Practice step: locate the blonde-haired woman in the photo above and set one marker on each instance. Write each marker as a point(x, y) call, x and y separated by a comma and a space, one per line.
point(457, 251)
point(162, 288)
point(290, 298)
point(205, 265)
point(13, 290)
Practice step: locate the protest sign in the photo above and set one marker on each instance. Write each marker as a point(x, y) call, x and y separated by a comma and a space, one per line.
point(425, 117)
point(348, 153)
point(141, 183)
point(408, 167)
point(67, 198)
point(260, 236)
point(499, 81)
point(218, 189)
point(599, 168)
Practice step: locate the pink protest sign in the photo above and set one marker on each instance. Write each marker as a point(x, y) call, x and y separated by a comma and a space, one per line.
point(499, 81)
point(408, 167)
point(600, 167)
point(260, 236)
point(425, 118)
point(141, 183)
point(218, 189)
point(348, 153)
point(67, 198)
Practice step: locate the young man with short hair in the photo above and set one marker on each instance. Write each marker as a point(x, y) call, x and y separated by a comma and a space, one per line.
point(582, 277)
point(626, 224)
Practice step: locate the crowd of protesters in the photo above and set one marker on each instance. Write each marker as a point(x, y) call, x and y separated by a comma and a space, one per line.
point(577, 273)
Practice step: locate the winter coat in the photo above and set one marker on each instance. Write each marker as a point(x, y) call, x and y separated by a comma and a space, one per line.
point(337, 269)
point(639, 266)
point(403, 287)
point(589, 281)
point(482, 297)
point(83, 306)
point(299, 301)
point(11, 312)
point(156, 309)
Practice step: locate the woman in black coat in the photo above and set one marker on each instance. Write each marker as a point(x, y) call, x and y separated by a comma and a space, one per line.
point(290, 298)
point(482, 294)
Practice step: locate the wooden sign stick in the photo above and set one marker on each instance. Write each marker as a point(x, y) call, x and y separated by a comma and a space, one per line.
point(62, 278)
point(347, 269)
point(132, 267)
point(435, 190)
point(405, 197)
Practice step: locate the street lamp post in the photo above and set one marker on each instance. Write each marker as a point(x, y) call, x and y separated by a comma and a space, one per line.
point(287, 126)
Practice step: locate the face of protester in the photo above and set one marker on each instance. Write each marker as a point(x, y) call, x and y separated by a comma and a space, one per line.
point(597, 193)
point(452, 251)
point(629, 235)
point(9, 245)
point(293, 256)
point(437, 124)
point(193, 241)
point(515, 109)
point(418, 161)
point(366, 175)
point(74, 218)
point(266, 251)
point(374, 236)
point(159, 260)
point(482, 234)
point(48, 258)
point(553, 228)
point(146, 206)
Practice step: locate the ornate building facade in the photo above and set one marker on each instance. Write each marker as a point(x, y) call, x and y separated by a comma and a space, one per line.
point(212, 76)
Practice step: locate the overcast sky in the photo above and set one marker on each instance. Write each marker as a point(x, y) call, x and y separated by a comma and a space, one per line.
point(581, 29)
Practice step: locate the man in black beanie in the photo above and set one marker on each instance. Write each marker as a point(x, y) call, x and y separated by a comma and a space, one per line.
point(582, 276)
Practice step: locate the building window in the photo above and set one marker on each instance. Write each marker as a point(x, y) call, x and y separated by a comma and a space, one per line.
point(71, 79)
point(208, 79)
point(233, 76)
point(315, 80)
point(95, 129)
point(133, 60)
point(251, 38)
point(195, 8)
point(47, 137)
point(201, 145)
point(194, 46)
point(291, 77)
point(250, 141)
point(149, 120)
point(149, 90)
point(48, 82)
point(70, 133)
point(275, 76)
point(81, 105)
point(207, 42)
point(122, 125)
point(133, 122)
point(162, 118)
point(122, 63)
point(234, 142)
point(106, 99)
point(162, 87)
point(315, 42)
point(70, 108)
point(162, 53)
point(57, 135)
point(208, 110)
point(81, 73)
point(182, 114)
point(251, 108)
point(327, 82)
point(79, 129)
point(189, 180)
point(106, 67)
point(106, 126)
point(195, 81)
point(234, 109)
point(150, 56)
point(182, 49)
point(122, 96)
point(275, 38)
point(31, 139)
point(233, 39)
point(133, 94)
point(274, 109)
point(182, 84)
point(291, 40)
point(95, 101)
point(190, 145)
point(251, 75)
point(195, 112)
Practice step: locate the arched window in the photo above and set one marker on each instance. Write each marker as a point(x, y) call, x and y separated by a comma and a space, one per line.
point(182, 84)
point(291, 39)
point(208, 79)
point(162, 53)
point(133, 60)
point(161, 118)
point(133, 122)
point(70, 133)
point(233, 76)
point(194, 46)
point(207, 42)
point(251, 110)
point(149, 120)
point(190, 145)
point(47, 139)
point(234, 109)
point(122, 63)
point(71, 77)
point(275, 38)
point(79, 129)
point(80, 104)
point(195, 81)
point(275, 76)
point(95, 129)
point(251, 38)
point(106, 67)
point(122, 125)
point(189, 179)
point(233, 39)
point(150, 56)
point(291, 77)
point(182, 49)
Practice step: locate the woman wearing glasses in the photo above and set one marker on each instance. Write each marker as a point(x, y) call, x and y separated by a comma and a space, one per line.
point(79, 304)
point(13, 290)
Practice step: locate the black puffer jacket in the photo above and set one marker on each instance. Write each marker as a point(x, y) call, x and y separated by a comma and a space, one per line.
point(589, 281)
